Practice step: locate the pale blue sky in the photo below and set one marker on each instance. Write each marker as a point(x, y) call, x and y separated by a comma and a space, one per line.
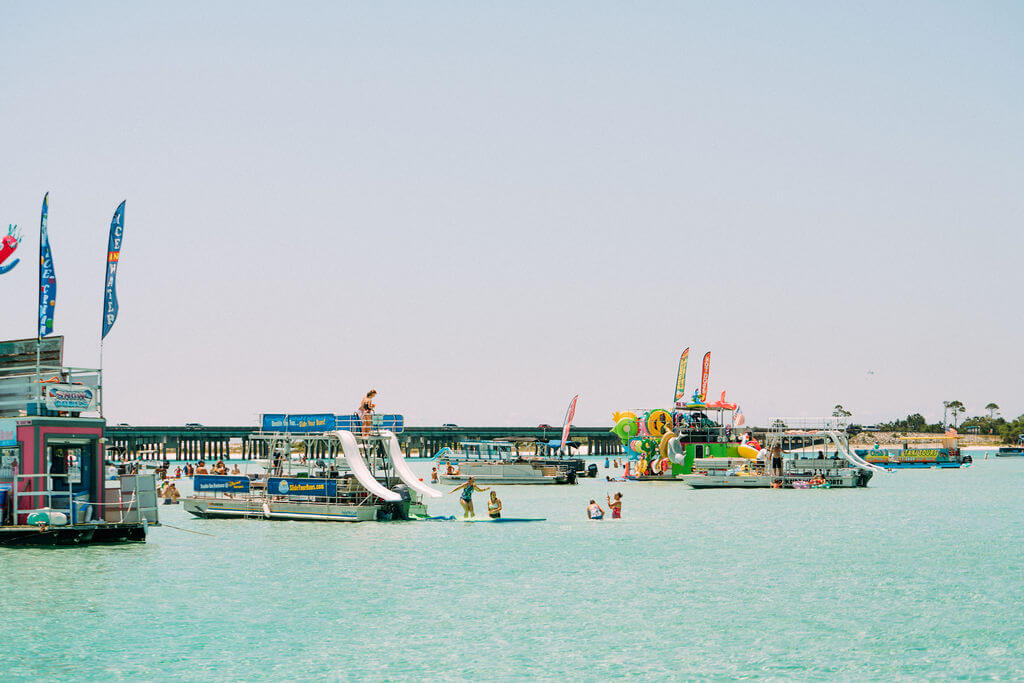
point(482, 208)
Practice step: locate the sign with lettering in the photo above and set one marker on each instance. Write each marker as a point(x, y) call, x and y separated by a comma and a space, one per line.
point(301, 423)
point(70, 397)
point(220, 482)
point(298, 486)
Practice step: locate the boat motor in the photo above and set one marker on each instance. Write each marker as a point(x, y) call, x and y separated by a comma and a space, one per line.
point(592, 470)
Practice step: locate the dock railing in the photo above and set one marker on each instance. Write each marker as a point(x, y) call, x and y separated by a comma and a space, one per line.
point(22, 386)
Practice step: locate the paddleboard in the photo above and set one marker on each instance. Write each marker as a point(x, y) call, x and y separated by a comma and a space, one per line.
point(488, 520)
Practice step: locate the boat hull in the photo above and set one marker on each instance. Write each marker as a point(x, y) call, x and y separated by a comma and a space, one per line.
point(724, 481)
point(498, 480)
point(73, 534)
point(257, 508)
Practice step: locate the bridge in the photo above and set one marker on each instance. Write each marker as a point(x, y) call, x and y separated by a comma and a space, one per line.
point(202, 442)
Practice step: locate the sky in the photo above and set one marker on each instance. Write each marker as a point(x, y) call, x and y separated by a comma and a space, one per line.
point(481, 209)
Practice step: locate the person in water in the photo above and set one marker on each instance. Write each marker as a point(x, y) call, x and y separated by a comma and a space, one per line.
point(494, 506)
point(615, 505)
point(433, 476)
point(171, 494)
point(235, 470)
point(466, 498)
point(365, 411)
point(594, 510)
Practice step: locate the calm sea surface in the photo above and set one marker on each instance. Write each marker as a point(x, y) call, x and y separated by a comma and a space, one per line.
point(919, 576)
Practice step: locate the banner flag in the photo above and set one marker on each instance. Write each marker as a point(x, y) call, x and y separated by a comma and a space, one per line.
point(569, 415)
point(681, 375)
point(47, 275)
point(113, 255)
point(704, 377)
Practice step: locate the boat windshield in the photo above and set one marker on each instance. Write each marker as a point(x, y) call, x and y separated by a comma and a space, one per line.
point(485, 450)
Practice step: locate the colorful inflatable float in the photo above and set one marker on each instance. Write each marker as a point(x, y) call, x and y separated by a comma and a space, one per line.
point(661, 444)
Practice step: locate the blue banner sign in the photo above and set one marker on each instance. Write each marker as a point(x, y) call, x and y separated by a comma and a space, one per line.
point(353, 423)
point(220, 482)
point(298, 486)
point(113, 257)
point(47, 276)
point(316, 422)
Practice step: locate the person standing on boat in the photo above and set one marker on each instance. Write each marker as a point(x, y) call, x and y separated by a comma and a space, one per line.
point(494, 506)
point(777, 459)
point(365, 411)
point(466, 499)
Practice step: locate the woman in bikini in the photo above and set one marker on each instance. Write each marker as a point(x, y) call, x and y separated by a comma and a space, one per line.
point(466, 499)
point(494, 506)
point(365, 411)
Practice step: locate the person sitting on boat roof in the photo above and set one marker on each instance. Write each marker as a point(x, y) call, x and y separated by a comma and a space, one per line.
point(594, 510)
point(235, 470)
point(201, 468)
point(494, 506)
point(466, 499)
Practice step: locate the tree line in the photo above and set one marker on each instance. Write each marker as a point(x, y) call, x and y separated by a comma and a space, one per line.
point(1010, 431)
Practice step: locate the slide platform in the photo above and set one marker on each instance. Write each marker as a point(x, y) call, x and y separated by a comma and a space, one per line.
point(350, 448)
point(405, 473)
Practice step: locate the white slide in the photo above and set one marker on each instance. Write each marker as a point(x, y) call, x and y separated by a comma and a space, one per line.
point(405, 472)
point(355, 461)
point(852, 456)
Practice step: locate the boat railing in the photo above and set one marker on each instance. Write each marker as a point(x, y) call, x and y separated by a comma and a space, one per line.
point(22, 387)
point(794, 426)
point(34, 493)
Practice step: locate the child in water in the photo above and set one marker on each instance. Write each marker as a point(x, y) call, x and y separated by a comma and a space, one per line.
point(594, 510)
point(615, 505)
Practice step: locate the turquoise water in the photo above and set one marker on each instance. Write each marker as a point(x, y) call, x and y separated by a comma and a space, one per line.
point(921, 575)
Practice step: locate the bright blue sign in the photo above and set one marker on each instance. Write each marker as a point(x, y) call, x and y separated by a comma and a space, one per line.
point(315, 422)
point(220, 482)
point(298, 486)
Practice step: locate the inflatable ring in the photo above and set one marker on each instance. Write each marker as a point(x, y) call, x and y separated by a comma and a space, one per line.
point(748, 452)
point(656, 466)
point(625, 429)
point(634, 448)
point(658, 422)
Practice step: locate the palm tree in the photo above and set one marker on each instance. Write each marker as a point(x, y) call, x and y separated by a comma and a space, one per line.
point(957, 408)
point(840, 411)
point(945, 411)
point(992, 409)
